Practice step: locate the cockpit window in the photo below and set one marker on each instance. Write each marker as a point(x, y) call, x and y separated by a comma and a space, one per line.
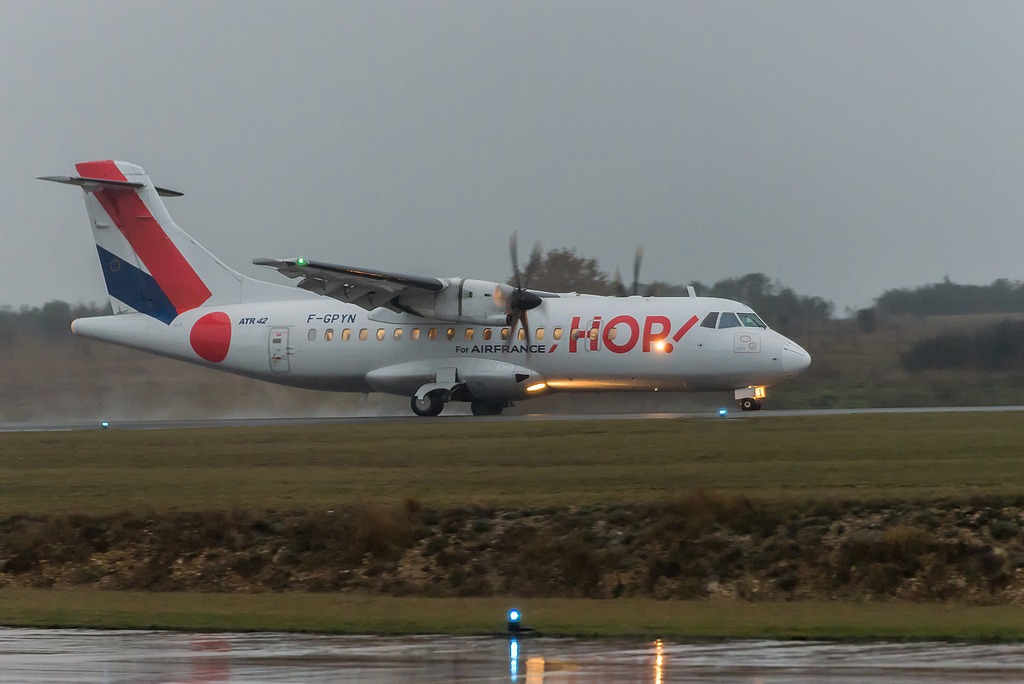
point(729, 320)
point(709, 320)
point(750, 320)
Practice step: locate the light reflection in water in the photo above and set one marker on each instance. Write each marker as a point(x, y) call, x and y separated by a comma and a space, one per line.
point(534, 665)
point(535, 670)
point(513, 659)
point(658, 671)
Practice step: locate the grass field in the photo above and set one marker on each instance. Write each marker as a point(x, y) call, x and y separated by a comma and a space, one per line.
point(347, 614)
point(523, 464)
point(900, 458)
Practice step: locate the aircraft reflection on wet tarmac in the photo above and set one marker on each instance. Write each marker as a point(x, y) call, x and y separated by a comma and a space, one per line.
point(33, 655)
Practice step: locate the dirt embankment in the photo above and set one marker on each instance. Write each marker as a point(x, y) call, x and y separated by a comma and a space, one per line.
point(698, 546)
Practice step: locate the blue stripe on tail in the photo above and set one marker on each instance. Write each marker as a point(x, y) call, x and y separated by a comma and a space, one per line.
point(135, 287)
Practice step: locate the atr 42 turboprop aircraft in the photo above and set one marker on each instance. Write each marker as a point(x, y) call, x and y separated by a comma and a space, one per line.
point(432, 339)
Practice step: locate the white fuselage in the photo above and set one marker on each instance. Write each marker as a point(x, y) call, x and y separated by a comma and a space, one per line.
point(622, 343)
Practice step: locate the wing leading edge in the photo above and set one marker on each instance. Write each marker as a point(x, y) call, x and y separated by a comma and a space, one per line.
point(360, 286)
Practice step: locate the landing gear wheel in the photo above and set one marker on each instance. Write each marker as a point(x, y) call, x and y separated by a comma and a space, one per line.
point(750, 404)
point(486, 408)
point(430, 405)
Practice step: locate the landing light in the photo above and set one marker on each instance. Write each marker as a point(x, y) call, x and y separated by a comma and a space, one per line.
point(536, 387)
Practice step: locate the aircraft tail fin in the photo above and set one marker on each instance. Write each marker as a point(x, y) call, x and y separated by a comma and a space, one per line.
point(150, 265)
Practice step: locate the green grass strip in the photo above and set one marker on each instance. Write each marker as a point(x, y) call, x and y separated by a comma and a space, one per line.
point(359, 614)
point(521, 464)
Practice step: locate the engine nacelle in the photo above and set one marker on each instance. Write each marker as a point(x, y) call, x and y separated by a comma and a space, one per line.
point(480, 302)
point(486, 379)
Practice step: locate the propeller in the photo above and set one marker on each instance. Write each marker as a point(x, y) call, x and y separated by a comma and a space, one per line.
point(619, 286)
point(521, 300)
point(637, 260)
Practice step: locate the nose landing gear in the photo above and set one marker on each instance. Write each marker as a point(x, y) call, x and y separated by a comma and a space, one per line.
point(750, 397)
point(750, 404)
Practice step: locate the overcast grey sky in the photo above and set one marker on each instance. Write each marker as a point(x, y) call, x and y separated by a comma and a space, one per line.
point(844, 148)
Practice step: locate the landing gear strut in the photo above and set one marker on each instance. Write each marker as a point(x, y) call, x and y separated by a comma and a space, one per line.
point(430, 405)
point(750, 404)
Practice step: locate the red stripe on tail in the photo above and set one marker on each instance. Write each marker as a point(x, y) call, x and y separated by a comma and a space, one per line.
point(165, 263)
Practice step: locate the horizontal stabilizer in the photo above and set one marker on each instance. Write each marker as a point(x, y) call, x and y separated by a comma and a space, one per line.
point(94, 184)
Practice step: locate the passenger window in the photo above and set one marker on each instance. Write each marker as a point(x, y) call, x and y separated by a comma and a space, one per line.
point(612, 333)
point(504, 333)
point(363, 334)
point(521, 334)
point(487, 333)
point(415, 334)
point(450, 333)
point(539, 334)
point(575, 334)
point(728, 320)
point(432, 335)
point(593, 333)
point(346, 335)
point(710, 320)
point(329, 335)
point(557, 334)
point(312, 335)
point(469, 333)
point(398, 333)
point(381, 333)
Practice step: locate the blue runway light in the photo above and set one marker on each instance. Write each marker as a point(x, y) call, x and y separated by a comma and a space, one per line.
point(105, 425)
point(514, 616)
point(723, 412)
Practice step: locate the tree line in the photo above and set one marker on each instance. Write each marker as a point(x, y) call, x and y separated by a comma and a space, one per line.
point(52, 320)
point(947, 297)
point(565, 270)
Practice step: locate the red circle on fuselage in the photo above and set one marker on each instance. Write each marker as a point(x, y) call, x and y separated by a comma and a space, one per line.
point(211, 336)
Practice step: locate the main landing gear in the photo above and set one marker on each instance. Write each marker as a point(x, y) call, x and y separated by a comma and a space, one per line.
point(430, 405)
point(433, 403)
point(487, 408)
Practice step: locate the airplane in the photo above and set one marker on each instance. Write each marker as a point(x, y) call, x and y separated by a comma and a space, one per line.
point(435, 340)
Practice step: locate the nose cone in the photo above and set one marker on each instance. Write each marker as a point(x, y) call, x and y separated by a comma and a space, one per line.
point(795, 359)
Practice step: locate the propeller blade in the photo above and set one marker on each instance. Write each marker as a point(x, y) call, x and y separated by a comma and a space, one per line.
point(526, 329)
point(637, 260)
point(520, 300)
point(514, 323)
point(620, 287)
point(513, 248)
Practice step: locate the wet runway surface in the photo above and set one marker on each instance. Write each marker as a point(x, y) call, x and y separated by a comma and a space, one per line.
point(531, 417)
point(32, 655)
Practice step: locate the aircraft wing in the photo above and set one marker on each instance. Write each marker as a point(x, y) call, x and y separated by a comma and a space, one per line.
point(360, 286)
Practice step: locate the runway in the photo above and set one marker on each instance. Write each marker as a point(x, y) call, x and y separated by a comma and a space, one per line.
point(33, 655)
point(529, 417)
